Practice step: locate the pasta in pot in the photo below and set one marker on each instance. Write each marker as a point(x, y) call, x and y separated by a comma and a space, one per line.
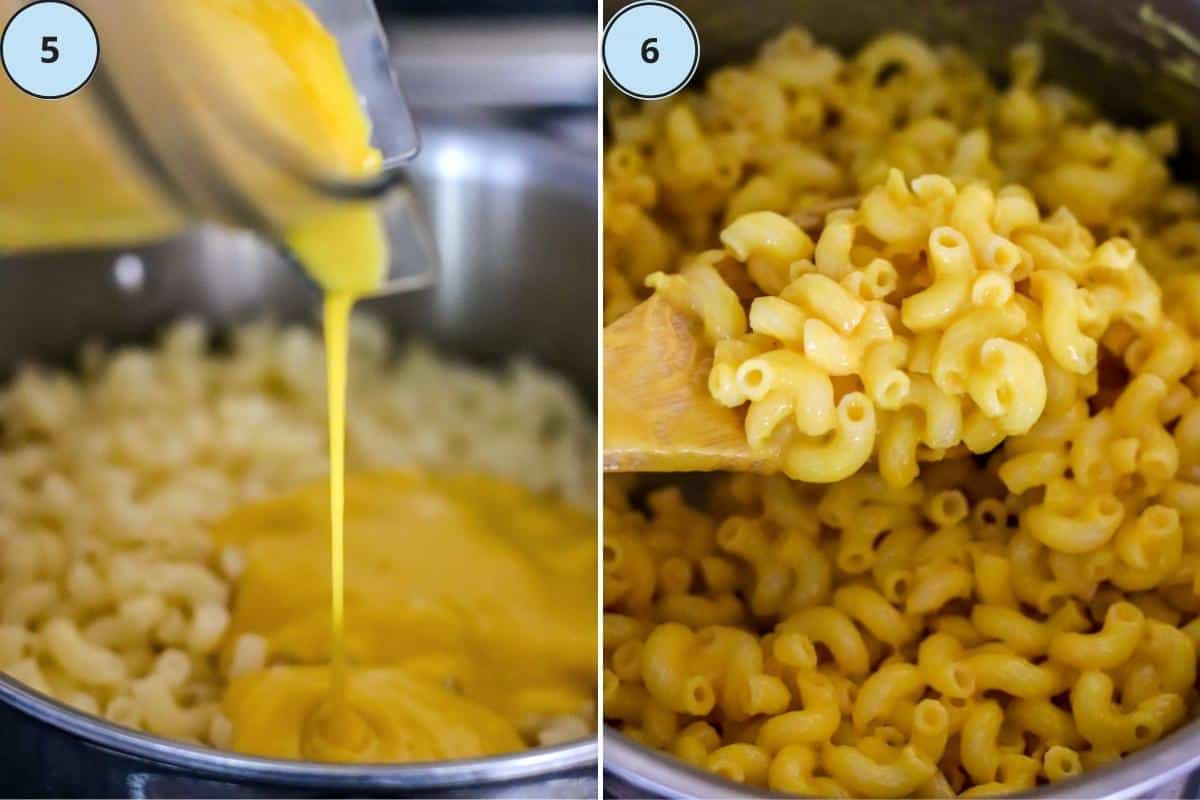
point(976, 568)
point(116, 598)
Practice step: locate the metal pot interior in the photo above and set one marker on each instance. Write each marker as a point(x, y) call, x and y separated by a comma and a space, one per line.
point(515, 221)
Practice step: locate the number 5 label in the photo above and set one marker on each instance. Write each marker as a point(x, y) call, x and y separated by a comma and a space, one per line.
point(49, 49)
point(650, 50)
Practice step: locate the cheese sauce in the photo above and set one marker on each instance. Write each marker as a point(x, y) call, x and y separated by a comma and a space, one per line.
point(337, 322)
point(478, 591)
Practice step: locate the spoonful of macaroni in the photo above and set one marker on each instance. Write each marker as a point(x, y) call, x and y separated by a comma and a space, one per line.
point(659, 415)
point(936, 317)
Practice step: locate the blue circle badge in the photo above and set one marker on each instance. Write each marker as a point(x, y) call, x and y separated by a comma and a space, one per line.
point(650, 50)
point(49, 49)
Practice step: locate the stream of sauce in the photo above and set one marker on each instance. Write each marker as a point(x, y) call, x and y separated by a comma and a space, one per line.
point(337, 319)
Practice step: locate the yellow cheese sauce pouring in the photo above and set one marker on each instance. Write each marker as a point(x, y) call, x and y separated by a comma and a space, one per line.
point(337, 319)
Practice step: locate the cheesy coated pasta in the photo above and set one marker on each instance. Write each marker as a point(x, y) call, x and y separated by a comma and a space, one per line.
point(947, 318)
point(965, 323)
point(855, 640)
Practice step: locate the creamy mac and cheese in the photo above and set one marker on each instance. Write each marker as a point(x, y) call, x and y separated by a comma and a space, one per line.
point(976, 568)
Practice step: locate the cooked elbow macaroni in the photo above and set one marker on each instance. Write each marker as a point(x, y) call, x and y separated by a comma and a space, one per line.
point(953, 648)
point(957, 355)
point(978, 567)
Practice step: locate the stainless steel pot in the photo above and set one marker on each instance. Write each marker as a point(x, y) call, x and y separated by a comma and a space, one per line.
point(1139, 62)
point(515, 220)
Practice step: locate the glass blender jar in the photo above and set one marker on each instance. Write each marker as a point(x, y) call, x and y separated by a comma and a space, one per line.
point(197, 114)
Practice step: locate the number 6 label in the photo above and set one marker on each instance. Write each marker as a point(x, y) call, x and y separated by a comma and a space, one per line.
point(49, 49)
point(650, 50)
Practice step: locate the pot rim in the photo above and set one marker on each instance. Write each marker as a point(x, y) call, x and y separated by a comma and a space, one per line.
point(221, 764)
point(1136, 775)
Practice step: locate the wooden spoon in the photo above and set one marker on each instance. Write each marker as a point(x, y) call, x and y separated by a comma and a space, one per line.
point(658, 413)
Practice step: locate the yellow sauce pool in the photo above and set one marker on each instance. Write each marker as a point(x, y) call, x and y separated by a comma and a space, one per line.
point(477, 591)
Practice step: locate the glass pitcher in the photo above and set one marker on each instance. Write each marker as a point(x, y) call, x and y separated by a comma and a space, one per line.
point(250, 113)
